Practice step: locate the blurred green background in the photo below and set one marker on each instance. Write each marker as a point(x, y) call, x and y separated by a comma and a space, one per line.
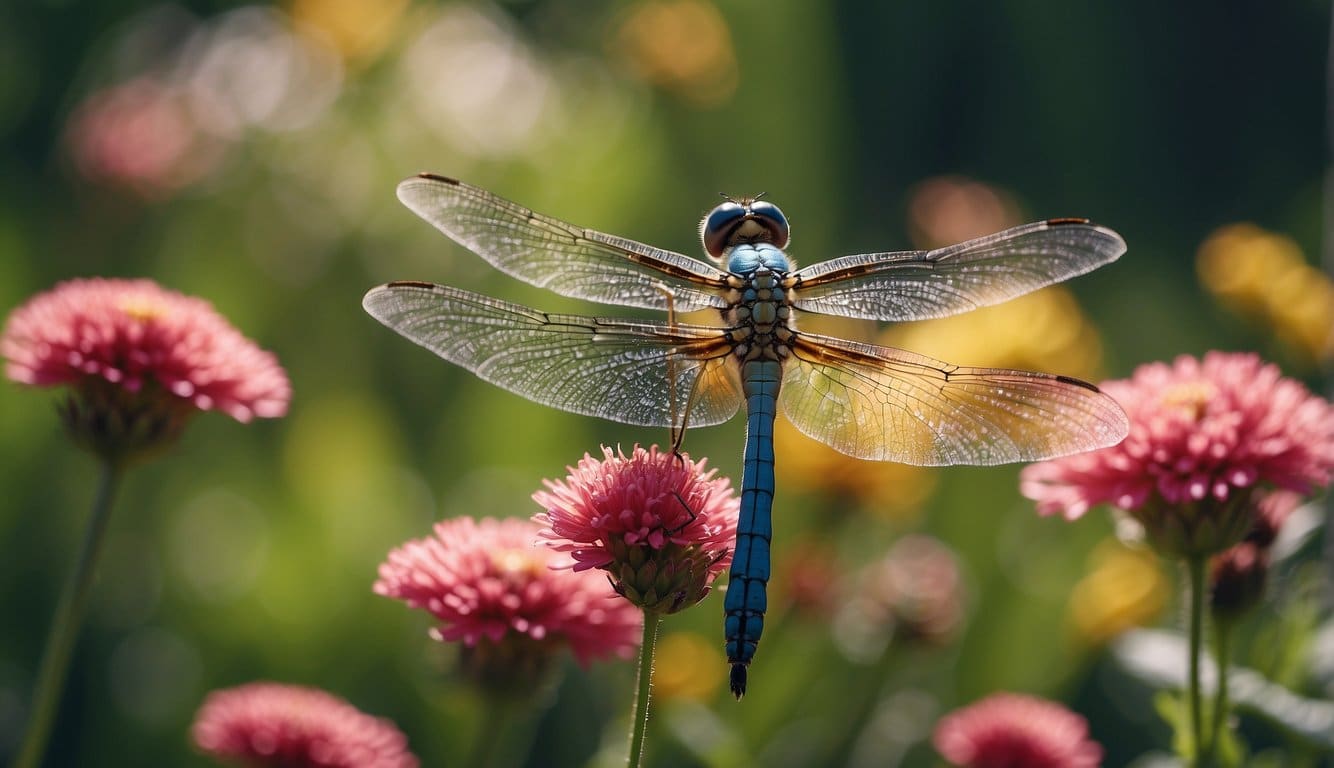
point(248, 154)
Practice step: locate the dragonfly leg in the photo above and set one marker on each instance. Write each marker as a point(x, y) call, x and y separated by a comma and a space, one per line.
point(678, 437)
point(678, 428)
point(679, 431)
point(690, 512)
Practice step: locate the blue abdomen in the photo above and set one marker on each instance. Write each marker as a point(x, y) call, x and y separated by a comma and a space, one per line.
point(746, 601)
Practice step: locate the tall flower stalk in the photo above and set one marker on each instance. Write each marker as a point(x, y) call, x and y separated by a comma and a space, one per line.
point(1209, 440)
point(1194, 694)
point(660, 526)
point(643, 687)
point(65, 626)
point(1236, 583)
point(138, 362)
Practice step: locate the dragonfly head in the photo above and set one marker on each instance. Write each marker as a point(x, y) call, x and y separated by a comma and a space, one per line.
point(748, 220)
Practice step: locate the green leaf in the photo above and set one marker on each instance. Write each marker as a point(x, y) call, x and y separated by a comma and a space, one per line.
point(1171, 707)
point(1158, 658)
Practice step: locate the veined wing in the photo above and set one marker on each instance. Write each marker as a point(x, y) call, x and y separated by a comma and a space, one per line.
point(886, 404)
point(918, 285)
point(561, 257)
point(632, 372)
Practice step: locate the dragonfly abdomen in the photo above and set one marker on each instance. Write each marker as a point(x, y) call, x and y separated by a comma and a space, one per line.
point(746, 600)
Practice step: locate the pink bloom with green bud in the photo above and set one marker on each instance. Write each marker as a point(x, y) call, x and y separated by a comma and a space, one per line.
point(139, 360)
point(511, 603)
point(659, 524)
point(1206, 436)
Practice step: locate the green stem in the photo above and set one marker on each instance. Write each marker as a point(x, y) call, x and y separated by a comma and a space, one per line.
point(1222, 649)
point(491, 731)
point(873, 683)
point(1195, 566)
point(65, 625)
point(643, 685)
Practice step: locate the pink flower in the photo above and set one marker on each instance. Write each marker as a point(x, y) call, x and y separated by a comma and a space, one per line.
point(134, 333)
point(289, 726)
point(140, 360)
point(509, 601)
point(1204, 434)
point(915, 590)
point(140, 134)
point(1009, 730)
point(660, 525)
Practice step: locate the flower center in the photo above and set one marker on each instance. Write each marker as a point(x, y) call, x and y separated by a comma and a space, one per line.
point(1189, 398)
point(142, 309)
point(514, 565)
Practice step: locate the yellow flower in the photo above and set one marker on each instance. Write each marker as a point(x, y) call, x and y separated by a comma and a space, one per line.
point(683, 46)
point(809, 466)
point(1264, 275)
point(356, 29)
point(1124, 588)
point(1042, 331)
point(687, 667)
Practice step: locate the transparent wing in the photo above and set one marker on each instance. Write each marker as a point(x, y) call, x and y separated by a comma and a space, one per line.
point(632, 372)
point(886, 404)
point(918, 285)
point(560, 257)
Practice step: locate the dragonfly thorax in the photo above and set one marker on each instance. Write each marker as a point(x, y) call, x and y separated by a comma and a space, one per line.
point(759, 310)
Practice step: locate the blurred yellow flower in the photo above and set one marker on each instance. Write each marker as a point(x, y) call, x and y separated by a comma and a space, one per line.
point(809, 466)
point(1123, 588)
point(357, 29)
point(1042, 331)
point(687, 667)
point(1264, 275)
point(683, 46)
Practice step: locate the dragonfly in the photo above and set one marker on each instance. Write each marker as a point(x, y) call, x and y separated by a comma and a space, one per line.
point(865, 400)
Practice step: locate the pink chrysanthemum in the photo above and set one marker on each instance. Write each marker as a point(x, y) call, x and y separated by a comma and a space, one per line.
point(1204, 435)
point(510, 602)
point(139, 361)
point(659, 524)
point(134, 332)
point(1009, 730)
point(140, 134)
point(290, 726)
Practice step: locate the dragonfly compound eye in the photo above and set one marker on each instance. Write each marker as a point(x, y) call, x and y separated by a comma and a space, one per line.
point(716, 229)
point(748, 221)
point(772, 219)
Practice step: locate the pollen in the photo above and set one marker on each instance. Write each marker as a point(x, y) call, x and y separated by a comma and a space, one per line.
point(141, 310)
point(1190, 398)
